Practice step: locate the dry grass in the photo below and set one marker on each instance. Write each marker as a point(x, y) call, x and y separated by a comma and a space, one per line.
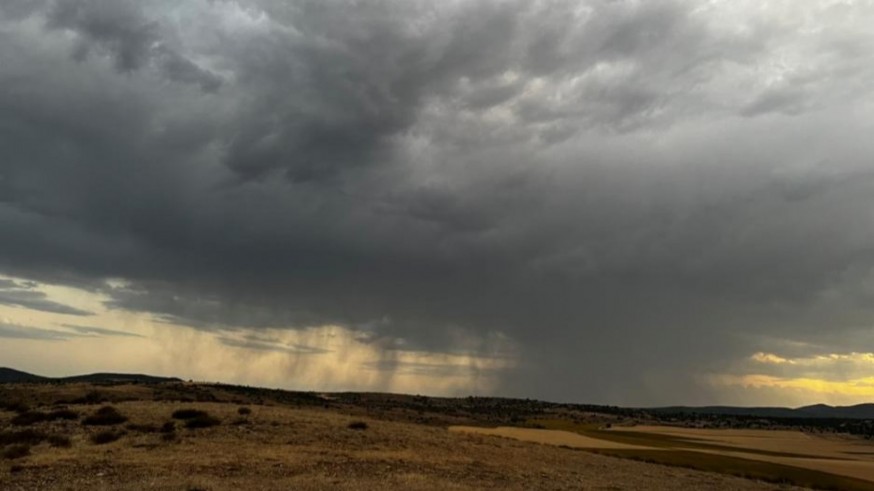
point(287, 448)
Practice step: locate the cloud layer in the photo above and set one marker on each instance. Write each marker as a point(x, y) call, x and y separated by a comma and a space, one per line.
point(628, 193)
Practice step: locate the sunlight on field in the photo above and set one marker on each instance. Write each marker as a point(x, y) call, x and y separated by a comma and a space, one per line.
point(834, 454)
point(551, 437)
point(830, 462)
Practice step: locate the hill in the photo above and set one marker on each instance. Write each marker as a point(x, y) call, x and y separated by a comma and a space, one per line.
point(9, 375)
point(117, 378)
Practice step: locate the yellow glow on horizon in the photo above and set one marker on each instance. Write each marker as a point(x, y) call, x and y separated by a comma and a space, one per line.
point(863, 387)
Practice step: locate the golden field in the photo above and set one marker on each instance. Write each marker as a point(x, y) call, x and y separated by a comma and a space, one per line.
point(823, 461)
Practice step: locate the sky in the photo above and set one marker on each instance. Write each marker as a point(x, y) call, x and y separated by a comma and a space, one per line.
point(602, 201)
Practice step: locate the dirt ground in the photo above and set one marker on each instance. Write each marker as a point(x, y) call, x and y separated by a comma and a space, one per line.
point(288, 448)
point(845, 456)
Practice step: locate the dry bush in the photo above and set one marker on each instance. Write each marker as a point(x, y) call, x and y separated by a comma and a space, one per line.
point(16, 451)
point(244, 411)
point(106, 436)
point(29, 418)
point(60, 441)
point(15, 406)
point(358, 425)
point(92, 397)
point(168, 427)
point(189, 413)
point(30, 437)
point(105, 416)
point(145, 428)
point(33, 417)
point(65, 414)
point(202, 421)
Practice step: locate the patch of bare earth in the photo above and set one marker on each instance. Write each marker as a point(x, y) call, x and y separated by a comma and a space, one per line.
point(852, 457)
point(287, 448)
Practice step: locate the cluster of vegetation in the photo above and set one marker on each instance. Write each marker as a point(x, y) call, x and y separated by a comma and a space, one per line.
point(28, 437)
point(16, 451)
point(17, 444)
point(28, 418)
point(196, 418)
point(106, 436)
point(105, 416)
point(15, 406)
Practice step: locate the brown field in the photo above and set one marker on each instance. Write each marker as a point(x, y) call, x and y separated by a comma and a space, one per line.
point(828, 462)
point(548, 437)
point(282, 446)
point(829, 453)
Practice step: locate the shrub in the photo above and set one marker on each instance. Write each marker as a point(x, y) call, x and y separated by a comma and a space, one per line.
point(16, 407)
point(16, 451)
point(106, 436)
point(358, 425)
point(189, 413)
point(203, 421)
point(244, 411)
point(64, 414)
point(30, 437)
point(142, 428)
point(29, 418)
point(168, 427)
point(92, 397)
point(32, 417)
point(60, 441)
point(105, 416)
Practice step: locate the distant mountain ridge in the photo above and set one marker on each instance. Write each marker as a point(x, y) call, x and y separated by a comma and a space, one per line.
point(9, 375)
point(859, 411)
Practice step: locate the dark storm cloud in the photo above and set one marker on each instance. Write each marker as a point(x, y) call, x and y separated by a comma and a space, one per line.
point(120, 29)
point(629, 192)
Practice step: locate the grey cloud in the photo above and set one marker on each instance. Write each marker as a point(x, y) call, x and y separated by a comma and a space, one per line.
point(254, 344)
point(14, 331)
point(99, 331)
point(121, 29)
point(428, 369)
point(117, 27)
point(22, 294)
point(586, 178)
